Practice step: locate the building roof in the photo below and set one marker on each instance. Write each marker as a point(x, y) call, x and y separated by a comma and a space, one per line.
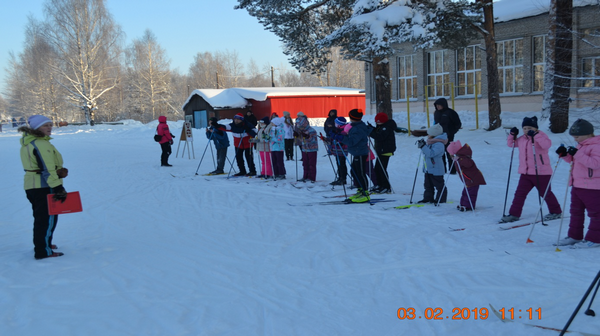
point(237, 97)
point(506, 10)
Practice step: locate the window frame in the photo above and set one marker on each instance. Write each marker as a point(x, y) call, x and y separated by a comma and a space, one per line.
point(409, 92)
point(438, 75)
point(510, 66)
point(475, 71)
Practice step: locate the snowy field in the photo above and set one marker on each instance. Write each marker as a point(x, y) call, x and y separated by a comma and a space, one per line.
point(162, 251)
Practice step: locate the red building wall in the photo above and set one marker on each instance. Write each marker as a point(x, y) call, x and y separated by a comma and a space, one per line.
point(311, 106)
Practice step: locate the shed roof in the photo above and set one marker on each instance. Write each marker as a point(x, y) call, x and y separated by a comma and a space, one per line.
point(237, 97)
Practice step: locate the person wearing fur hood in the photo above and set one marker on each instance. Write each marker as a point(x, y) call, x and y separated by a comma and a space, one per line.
point(44, 173)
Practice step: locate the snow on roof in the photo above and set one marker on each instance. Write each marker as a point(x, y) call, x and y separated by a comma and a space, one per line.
point(237, 97)
point(506, 10)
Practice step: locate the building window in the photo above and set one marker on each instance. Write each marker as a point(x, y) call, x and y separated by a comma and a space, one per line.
point(468, 70)
point(438, 75)
point(407, 77)
point(510, 65)
point(539, 62)
point(591, 72)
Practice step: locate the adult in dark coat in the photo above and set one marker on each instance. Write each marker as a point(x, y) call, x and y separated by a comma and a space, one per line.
point(450, 122)
point(385, 146)
point(251, 118)
point(329, 125)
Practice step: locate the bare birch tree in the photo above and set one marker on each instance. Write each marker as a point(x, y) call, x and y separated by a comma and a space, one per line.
point(149, 76)
point(87, 41)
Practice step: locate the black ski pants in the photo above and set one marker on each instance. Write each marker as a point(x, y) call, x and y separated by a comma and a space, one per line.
point(43, 223)
point(239, 158)
point(166, 151)
point(434, 182)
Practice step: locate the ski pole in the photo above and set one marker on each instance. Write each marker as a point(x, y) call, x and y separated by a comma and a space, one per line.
point(296, 156)
point(416, 172)
point(205, 148)
point(562, 218)
point(237, 149)
point(537, 180)
point(542, 203)
point(596, 279)
point(508, 180)
point(384, 169)
point(329, 154)
point(445, 182)
point(338, 159)
point(462, 178)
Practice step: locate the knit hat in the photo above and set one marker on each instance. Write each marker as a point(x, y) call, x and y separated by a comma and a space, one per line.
point(300, 114)
point(266, 121)
point(381, 118)
point(213, 119)
point(435, 130)
point(454, 147)
point(581, 127)
point(334, 112)
point(239, 116)
point(355, 114)
point(36, 121)
point(532, 122)
point(286, 113)
point(340, 121)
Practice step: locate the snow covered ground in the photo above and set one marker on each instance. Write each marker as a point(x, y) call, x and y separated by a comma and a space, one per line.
point(162, 251)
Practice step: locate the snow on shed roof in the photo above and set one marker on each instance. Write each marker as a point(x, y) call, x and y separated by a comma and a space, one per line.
point(506, 10)
point(237, 97)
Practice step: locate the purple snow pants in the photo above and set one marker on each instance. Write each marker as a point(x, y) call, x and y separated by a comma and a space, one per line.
point(472, 194)
point(278, 165)
point(309, 165)
point(528, 182)
point(582, 199)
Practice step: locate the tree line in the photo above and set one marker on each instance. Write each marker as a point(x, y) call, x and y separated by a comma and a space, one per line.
point(75, 67)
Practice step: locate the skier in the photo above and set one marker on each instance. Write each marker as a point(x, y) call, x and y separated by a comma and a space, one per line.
point(310, 146)
point(357, 142)
point(44, 173)
point(339, 150)
point(535, 170)
point(433, 150)
point(450, 122)
point(261, 142)
point(165, 142)
point(385, 146)
point(216, 132)
point(288, 126)
point(470, 175)
point(277, 143)
point(242, 132)
point(329, 125)
point(585, 182)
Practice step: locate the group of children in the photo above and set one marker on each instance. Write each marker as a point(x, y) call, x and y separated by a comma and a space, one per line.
point(352, 138)
point(535, 172)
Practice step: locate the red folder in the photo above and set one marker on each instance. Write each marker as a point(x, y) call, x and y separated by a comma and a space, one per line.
point(71, 204)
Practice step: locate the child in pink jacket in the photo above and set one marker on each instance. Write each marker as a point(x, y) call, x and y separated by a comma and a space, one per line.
point(585, 182)
point(535, 171)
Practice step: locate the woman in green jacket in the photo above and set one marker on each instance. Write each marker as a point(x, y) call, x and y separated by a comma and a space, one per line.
point(44, 172)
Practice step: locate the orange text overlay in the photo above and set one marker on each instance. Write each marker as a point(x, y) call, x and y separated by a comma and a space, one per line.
point(438, 313)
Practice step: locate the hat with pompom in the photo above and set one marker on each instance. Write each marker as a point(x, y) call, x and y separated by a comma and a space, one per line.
point(239, 116)
point(355, 114)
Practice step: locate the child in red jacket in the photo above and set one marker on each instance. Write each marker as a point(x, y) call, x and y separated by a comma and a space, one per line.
point(469, 174)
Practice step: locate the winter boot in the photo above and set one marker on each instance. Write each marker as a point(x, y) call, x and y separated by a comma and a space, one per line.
point(552, 216)
point(567, 241)
point(240, 174)
point(509, 219)
point(362, 198)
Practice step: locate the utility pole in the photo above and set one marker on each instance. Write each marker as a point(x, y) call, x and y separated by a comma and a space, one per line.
point(272, 76)
point(217, 79)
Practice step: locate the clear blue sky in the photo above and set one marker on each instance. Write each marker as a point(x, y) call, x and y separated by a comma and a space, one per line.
point(183, 28)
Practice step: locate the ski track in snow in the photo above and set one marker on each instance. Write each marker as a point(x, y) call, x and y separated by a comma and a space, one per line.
point(162, 251)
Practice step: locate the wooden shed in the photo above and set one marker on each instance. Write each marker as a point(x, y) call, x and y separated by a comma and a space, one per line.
point(314, 102)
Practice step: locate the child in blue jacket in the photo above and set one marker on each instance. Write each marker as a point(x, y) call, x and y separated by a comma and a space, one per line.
point(433, 149)
point(216, 132)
